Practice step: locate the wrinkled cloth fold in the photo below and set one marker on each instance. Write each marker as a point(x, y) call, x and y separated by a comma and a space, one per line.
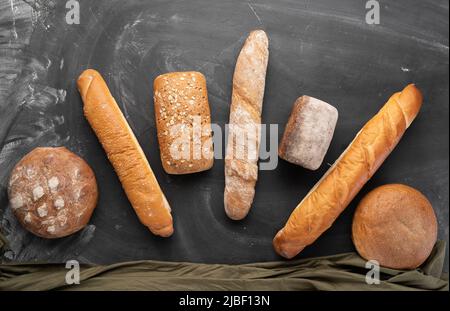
point(339, 272)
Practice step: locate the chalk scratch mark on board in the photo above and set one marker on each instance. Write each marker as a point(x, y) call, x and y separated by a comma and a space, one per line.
point(427, 42)
point(254, 12)
point(13, 15)
point(216, 59)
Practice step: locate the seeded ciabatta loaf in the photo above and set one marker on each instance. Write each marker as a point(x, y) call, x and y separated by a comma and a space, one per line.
point(183, 122)
point(52, 192)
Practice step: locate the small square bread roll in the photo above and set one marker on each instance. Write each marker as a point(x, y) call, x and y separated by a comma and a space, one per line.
point(183, 122)
point(308, 132)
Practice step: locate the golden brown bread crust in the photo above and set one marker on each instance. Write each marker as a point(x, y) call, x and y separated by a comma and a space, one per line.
point(395, 225)
point(183, 115)
point(241, 172)
point(52, 192)
point(331, 195)
point(125, 154)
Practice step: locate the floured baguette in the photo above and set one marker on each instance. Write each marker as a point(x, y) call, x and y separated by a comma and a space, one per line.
point(337, 188)
point(241, 161)
point(125, 154)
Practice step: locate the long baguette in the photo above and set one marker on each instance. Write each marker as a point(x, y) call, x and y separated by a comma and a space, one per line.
point(125, 154)
point(337, 188)
point(241, 161)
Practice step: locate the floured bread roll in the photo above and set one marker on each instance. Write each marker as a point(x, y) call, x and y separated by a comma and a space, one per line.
point(52, 192)
point(308, 133)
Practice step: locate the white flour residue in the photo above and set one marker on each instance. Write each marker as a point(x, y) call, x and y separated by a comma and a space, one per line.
point(45, 97)
point(131, 46)
point(360, 23)
point(33, 122)
point(40, 10)
point(13, 28)
point(176, 18)
point(24, 246)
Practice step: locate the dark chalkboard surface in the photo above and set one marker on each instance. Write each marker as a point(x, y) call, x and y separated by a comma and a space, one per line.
point(322, 48)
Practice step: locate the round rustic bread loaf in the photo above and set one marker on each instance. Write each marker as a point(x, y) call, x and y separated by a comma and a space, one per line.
point(395, 225)
point(52, 192)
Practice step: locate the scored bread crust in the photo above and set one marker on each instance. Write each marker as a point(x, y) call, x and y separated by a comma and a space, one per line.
point(125, 154)
point(337, 188)
point(53, 192)
point(249, 80)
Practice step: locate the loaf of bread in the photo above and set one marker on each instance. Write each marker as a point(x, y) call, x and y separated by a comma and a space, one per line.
point(241, 161)
point(396, 226)
point(125, 154)
point(183, 122)
point(308, 132)
point(337, 188)
point(52, 192)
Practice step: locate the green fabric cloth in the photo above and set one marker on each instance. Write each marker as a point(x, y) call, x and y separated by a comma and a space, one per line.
point(339, 272)
point(3, 242)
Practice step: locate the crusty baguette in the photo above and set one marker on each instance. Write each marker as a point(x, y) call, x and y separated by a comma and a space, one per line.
point(125, 154)
point(241, 168)
point(337, 188)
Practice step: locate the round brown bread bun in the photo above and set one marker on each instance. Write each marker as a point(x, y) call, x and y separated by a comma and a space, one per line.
point(52, 192)
point(395, 225)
